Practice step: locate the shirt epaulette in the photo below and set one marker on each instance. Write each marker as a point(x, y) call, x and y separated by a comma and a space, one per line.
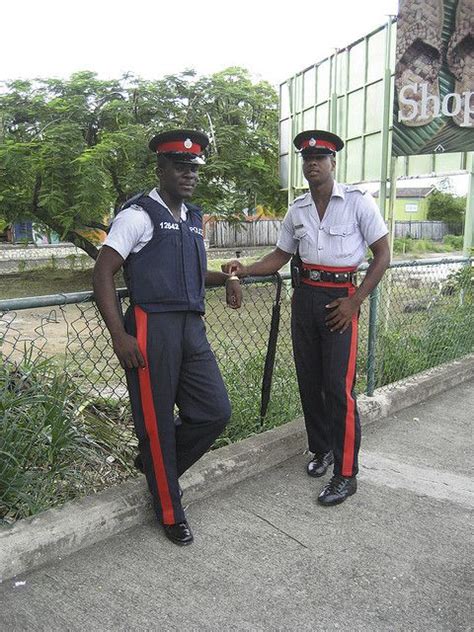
point(300, 198)
point(351, 188)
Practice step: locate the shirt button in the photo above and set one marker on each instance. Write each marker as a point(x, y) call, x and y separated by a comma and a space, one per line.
point(320, 248)
point(320, 228)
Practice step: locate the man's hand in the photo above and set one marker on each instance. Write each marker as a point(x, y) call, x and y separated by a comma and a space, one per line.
point(233, 293)
point(342, 311)
point(233, 267)
point(127, 351)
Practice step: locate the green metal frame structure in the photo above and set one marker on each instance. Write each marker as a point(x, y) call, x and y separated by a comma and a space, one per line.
point(351, 94)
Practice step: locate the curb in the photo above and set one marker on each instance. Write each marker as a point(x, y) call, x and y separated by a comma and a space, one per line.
point(55, 533)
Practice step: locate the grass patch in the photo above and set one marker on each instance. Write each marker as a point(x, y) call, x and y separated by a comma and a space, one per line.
point(407, 245)
point(47, 281)
point(54, 445)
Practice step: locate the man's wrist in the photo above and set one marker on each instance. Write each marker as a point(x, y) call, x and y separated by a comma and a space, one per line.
point(358, 299)
point(118, 335)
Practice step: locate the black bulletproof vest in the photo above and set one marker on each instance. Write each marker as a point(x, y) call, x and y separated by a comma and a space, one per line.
point(168, 273)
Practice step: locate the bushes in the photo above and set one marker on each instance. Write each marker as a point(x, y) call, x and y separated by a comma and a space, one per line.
point(419, 246)
point(454, 241)
point(243, 379)
point(404, 245)
point(52, 444)
point(432, 338)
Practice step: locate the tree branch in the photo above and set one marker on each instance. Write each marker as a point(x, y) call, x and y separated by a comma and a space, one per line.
point(78, 240)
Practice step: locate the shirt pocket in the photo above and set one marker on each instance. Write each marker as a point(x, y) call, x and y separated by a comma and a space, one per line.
point(344, 239)
point(303, 236)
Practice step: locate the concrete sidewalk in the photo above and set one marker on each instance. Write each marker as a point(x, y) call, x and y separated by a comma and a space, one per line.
point(268, 557)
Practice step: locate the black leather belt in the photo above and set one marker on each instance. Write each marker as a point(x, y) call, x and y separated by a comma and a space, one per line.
point(329, 277)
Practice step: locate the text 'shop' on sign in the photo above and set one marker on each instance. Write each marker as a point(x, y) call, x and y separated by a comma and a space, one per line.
point(434, 77)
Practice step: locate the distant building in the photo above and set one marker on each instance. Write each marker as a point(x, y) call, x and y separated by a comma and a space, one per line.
point(411, 203)
point(27, 232)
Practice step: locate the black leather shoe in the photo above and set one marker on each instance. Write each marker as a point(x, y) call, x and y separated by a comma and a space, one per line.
point(179, 533)
point(337, 490)
point(319, 464)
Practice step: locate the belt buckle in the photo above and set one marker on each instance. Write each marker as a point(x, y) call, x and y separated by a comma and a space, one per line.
point(341, 277)
point(315, 275)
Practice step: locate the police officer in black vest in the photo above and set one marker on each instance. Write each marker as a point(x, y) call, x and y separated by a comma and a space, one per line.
point(158, 239)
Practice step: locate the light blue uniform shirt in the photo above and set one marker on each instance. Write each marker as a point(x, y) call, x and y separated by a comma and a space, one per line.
point(352, 222)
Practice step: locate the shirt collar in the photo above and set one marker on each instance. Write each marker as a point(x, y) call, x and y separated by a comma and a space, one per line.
point(157, 197)
point(306, 200)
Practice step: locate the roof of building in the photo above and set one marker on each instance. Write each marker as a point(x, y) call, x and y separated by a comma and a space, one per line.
point(406, 192)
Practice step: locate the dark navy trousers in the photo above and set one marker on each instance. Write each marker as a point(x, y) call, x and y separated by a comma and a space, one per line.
point(326, 369)
point(180, 370)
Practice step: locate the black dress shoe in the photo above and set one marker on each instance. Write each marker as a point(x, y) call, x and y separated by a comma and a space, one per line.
point(319, 464)
point(337, 490)
point(179, 533)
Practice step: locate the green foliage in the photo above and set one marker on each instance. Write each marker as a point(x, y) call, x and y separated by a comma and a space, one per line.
point(446, 207)
point(455, 241)
point(53, 446)
point(405, 245)
point(446, 334)
point(73, 150)
point(461, 283)
point(243, 379)
point(441, 330)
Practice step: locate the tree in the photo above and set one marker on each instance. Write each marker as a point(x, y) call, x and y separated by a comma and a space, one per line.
point(72, 151)
point(446, 207)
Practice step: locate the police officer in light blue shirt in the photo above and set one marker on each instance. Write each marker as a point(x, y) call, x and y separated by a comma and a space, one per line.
point(327, 230)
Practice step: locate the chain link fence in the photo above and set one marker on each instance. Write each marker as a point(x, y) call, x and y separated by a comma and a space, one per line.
point(66, 428)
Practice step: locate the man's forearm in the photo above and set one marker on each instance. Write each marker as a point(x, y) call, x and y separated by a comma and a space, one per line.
point(374, 273)
point(213, 278)
point(106, 300)
point(270, 264)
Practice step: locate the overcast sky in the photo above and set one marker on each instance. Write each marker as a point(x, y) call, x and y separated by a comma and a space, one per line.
point(273, 40)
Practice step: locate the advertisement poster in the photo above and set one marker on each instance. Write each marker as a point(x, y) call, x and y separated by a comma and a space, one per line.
point(434, 77)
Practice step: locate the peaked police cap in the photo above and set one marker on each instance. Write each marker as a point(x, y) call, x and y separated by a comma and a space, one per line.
point(180, 145)
point(318, 142)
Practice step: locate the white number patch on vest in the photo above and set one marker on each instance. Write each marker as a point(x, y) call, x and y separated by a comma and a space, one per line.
point(169, 225)
point(195, 229)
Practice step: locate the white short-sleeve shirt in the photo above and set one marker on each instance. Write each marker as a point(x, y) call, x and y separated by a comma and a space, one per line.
point(132, 229)
point(351, 222)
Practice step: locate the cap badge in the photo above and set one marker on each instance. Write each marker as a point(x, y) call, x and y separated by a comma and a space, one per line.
point(188, 143)
point(312, 142)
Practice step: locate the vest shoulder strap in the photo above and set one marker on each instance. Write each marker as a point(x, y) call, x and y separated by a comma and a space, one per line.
point(130, 202)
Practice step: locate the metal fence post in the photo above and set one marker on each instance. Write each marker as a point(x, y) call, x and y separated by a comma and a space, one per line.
point(372, 341)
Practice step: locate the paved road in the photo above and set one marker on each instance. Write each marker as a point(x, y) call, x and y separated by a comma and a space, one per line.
point(396, 556)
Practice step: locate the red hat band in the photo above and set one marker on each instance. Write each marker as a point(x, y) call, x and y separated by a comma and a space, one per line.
point(311, 143)
point(186, 146)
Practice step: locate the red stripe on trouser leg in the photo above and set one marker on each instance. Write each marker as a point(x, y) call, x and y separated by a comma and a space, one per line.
point(151, 424)
point(349, 433)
